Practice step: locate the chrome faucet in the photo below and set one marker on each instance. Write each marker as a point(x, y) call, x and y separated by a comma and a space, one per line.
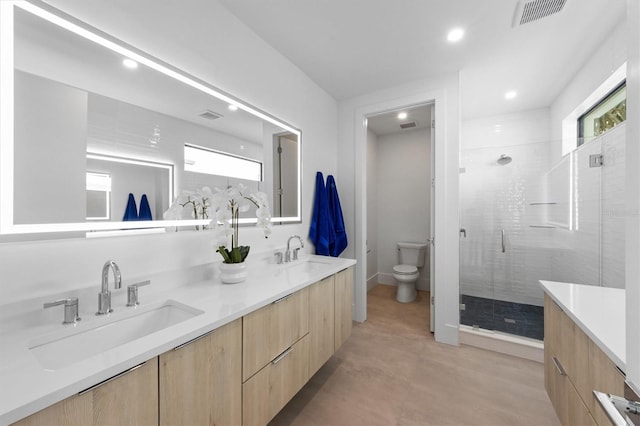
point(104, 298)
point(287, 254)
point(70, 309)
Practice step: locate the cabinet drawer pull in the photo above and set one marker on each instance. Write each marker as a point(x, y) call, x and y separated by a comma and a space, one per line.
point(282, 299)
point(282, 356)
point(559, 366)
point(194, 340)
point(89, 389)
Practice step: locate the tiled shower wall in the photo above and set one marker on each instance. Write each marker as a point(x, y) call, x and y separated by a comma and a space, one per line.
point(497, 197)
point(589, 243)
point(562, 221)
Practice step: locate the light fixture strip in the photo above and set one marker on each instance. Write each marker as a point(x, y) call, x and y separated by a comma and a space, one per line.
point(137, 162)
point(102, 226)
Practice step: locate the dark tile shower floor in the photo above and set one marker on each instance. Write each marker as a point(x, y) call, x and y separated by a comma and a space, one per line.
point(508, 317)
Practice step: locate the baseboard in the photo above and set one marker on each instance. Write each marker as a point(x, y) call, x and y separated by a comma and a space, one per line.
point(521, 347)
point(372, 282)
point(385, 278)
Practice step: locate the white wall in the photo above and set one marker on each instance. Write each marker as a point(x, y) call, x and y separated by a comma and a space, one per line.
point(403, 186)
point(216, 47)
point(352, 168)
point(50, 185)
point(589, 249)
point(372, 210)
point(632, 206)
point(602, 63)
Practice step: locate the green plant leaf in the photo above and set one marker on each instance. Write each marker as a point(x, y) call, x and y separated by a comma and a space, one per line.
point(244, 252)
point(225, 254)
point(236, 255)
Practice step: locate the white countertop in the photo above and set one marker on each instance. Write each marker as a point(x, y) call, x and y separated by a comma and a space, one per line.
point(598, 311)
point(26, 387)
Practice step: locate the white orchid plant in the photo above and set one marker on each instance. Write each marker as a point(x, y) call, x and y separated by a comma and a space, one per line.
point(227, 204)
point(191, 204)
point(223, 208)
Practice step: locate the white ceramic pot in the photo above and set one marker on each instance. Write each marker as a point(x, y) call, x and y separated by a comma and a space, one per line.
point(231, 273)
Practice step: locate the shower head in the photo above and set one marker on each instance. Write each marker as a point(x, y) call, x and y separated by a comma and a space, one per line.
point(504, 159)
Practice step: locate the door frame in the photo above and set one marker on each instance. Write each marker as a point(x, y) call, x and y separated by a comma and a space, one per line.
point(445, 325)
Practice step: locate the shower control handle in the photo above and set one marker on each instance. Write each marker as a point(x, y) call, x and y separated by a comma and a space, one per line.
point(503, 247)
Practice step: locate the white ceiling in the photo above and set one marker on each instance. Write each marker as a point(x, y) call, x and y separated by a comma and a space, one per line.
point(388, 123)
point(354, 47)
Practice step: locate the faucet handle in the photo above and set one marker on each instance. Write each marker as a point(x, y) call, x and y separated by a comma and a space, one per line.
point(70, 309)
point(295, 253)
point(278, 257)
point(132, 293)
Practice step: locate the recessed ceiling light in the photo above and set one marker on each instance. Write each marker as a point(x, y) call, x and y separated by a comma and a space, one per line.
point(455, 35)
point(130, 63)
point(510, 94)
point(233, 107)
point(402, 115)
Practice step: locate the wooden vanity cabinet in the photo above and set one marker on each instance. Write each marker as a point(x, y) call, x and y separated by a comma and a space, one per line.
point(130, 398)
point(343, 306)
point(605, 377)
point(285, 343)
point(200, 382)
point(266, 392)
point(241, 373)
point(321, 323)
point(573, 367)
point(270, 330)
point(275, 356)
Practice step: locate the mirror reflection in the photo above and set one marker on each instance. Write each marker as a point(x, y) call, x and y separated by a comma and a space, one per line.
point(92, 126)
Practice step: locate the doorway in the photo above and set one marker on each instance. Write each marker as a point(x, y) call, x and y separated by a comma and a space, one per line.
point(399, 197)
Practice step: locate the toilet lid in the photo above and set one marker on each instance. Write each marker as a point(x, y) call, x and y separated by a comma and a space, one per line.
point(405, 269)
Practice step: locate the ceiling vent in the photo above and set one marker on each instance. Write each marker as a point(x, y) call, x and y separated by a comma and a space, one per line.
point(408, 125)
point(210, 115)
point(529, 11)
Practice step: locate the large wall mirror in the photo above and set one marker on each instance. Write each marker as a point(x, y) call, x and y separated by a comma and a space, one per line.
point(90, 124)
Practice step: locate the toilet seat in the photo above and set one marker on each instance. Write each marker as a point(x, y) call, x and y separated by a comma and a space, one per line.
point(405, 269)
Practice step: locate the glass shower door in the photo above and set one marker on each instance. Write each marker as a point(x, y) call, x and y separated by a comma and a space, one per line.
point(505, 238)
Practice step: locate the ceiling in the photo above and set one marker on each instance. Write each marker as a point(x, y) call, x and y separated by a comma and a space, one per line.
point(388, 123)
point(354, 47)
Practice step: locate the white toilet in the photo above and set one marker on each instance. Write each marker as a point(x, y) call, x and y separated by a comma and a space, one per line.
point(406, 274)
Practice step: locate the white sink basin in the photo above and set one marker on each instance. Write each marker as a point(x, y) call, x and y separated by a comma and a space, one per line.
point(66, 347)
point(306, 266)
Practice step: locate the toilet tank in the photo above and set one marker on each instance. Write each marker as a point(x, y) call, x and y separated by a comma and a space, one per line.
point(412, 253)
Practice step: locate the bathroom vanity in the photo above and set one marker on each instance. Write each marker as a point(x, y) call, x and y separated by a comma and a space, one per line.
point(221, 354)
point(584, 349)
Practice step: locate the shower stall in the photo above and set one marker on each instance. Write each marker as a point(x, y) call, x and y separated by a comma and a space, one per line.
point(526, 216)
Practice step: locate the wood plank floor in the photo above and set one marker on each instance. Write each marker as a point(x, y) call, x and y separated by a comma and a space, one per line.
point(392, 372)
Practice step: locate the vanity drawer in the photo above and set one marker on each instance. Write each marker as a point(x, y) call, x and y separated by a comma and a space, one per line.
point(264, 394)
point(267, 332)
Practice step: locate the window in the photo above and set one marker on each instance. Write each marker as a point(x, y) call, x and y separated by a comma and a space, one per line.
point(203, 160)
point(98, 196)
point(605, 115)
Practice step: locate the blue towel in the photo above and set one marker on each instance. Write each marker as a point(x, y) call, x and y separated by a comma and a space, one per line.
point(145, 210)
point(335, 211)
point(131, 212)
point(321, 231)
